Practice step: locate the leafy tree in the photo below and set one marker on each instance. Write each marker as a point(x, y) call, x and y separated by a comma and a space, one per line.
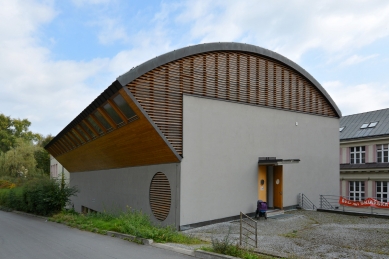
point(42, 157)
point(13, 129)
point(20, 161)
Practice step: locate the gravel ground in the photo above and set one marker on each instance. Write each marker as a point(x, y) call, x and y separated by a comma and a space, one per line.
point(310, 234)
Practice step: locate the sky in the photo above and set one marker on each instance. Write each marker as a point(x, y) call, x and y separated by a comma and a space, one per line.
point(56, 57)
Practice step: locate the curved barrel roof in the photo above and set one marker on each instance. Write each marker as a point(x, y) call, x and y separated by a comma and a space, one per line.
point(220, 46)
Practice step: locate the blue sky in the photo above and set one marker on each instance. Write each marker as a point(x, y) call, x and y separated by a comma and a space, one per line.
point(57, 56)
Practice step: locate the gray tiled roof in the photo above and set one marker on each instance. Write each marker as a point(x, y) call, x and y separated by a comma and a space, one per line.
point(354, 122)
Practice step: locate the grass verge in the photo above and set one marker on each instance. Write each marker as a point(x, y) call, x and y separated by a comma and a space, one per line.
point(227, 247)
point(131, 222)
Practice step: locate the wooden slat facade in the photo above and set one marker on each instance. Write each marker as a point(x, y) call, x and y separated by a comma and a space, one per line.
point(224, 75)
point(160, 196)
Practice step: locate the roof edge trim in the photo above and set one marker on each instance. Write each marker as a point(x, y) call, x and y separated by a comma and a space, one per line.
point(220, 46)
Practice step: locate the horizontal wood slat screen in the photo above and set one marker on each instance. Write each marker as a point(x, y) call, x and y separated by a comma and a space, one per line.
point(231, 76)
point(160, 196)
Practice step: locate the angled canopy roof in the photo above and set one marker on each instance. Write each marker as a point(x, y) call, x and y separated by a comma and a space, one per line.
point(232, 72)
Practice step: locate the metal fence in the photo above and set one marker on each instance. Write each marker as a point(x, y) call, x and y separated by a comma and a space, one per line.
point(306, 203)
point(331, 202)
point(248, 228)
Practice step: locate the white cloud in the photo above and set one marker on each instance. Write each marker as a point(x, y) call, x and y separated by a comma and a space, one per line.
point(292, 27)
point(49, 93)
point(359, 98)
point(356, 59)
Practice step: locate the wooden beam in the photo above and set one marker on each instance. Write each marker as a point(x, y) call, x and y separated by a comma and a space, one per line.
point(98, 123)
point(118, 111)
point(87, 123)
point(107, 117)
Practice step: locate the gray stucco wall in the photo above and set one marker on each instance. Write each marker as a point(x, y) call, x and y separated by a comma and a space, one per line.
point(118, 188)
point(222, 143)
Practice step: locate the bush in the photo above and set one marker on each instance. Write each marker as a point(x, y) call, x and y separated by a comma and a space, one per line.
point(4, 184)
point(40, 196)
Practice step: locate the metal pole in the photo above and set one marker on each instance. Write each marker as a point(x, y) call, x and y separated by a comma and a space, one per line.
point(256, 235)
point(302, 200)
point(321, 201)
point(240, 229)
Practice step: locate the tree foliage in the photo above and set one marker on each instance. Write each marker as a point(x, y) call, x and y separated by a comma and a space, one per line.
point(13, 129)
point(22, 152)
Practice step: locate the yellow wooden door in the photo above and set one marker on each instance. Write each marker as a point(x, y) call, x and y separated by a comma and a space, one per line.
point(277, 183)
point(262, 182)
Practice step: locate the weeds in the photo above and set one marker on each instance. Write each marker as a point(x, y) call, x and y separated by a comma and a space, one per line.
point(227, 247)
point(131, 222)
point(292, 234)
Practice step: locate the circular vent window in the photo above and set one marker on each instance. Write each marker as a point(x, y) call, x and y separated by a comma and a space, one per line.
point(160, 196)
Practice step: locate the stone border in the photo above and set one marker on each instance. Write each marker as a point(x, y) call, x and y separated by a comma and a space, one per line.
point(210, 255)
point(140, 240)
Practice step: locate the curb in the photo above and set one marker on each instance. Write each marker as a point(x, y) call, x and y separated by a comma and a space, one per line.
point(174, 249)
point(210, 255)
point(140, 240)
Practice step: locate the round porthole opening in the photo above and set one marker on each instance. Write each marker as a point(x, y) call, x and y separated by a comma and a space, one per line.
point(160, 196)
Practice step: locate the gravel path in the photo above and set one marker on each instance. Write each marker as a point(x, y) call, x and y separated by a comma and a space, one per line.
point(311, 234)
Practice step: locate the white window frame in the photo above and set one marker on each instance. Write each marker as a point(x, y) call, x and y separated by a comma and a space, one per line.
point(382, 153)
point(381, 194)
point(357, 155)
point(356, 190)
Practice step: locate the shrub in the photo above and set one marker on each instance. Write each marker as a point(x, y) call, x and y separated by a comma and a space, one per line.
point(4, 184)
point(39, 196)
point(45, 196)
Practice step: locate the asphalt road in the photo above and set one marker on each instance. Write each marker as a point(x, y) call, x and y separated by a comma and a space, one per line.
point(30, 237)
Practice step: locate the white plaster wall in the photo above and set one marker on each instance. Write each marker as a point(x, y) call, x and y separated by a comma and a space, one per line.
point(60, 170)
point(222, 143)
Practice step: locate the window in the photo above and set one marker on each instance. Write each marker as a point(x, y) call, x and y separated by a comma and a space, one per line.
point(341, 129)
point(54, 172)
point(80, 131)
point(103, 121)
point(369, 125)
point(111, 112)
point(382, 153)
point(87, 129)
point(357, 155)
point(357, 190)
point(382, 191)
point(75, 134)
point(94, 125)
point(373, 124)
point(123, 106)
